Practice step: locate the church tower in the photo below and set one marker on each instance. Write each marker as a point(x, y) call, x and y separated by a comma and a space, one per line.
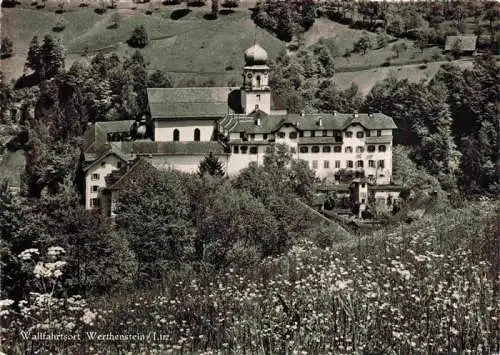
point(256, 93)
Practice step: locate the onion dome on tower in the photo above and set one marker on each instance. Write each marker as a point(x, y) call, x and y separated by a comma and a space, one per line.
point(255, 55)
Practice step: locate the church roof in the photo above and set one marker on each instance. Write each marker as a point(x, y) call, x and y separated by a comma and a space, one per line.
point(145, 147)
point(255, 55)
point(307, 122)
point(200, 102)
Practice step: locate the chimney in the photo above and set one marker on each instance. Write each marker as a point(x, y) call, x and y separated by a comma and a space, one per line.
point(320, 121)
point(257, 121)
point(355, 115)
point(335, 113)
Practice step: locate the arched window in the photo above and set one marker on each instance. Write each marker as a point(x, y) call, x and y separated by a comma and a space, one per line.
point(176, 135)
point(196, 134)
point(348, 149)
point(371, 148)
point(258, 81)
point(315, 149)
point(381, 148)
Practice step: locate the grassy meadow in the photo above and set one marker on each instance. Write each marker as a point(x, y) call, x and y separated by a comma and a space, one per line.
point(187, 46)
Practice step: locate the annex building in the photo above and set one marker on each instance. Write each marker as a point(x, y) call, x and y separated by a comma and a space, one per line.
point(238, 125)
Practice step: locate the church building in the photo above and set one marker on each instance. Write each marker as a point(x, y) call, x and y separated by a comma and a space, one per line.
point(239, 125)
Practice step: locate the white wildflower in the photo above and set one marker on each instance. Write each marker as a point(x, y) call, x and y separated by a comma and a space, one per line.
point(27, 254)
point(6, 303)
point(88, 317)
point(55, 251)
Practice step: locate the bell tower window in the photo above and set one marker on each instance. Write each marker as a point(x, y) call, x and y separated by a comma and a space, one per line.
point(258, 81)
point(176, 135)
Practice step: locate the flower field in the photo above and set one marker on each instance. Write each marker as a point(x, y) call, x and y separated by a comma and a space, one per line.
point(430, 287)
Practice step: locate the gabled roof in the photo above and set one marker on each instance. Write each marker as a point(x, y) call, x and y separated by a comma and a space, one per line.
point(307, 122)
point(120, 177)
point(192, 102)
point(145, 147)
point(96, 136)
point(465, 43)
point(107, 153)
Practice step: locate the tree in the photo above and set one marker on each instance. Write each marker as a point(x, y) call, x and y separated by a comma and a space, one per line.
point(137, 66)
point(153, 211)
point(397, 48)
point(98, 261)
point(325, 58)
point(139, 37)
point(284, 28)
point(215, 9)
point(115, 20)
point(234, 228)
point(158, 79)
point(52, 53)
point(382, 39)
point(362, 45)
point(421, 40)
point(308, 14)
point(6, 100)
point(6, 48)
point(34, 58)
point(211, 165)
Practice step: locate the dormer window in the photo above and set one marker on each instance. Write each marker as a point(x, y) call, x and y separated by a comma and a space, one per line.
point(360, 134)
point(348, 149)
point(348, 134)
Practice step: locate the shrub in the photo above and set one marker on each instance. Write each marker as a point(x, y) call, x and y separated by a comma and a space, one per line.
point(230, 3)
point(60, 25)
point(139, 38)
point(7, 48)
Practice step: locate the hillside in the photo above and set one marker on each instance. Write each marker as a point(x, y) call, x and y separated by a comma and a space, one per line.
point(188, 46)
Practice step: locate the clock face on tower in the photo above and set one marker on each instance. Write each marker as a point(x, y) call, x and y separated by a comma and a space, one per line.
point(249, 75)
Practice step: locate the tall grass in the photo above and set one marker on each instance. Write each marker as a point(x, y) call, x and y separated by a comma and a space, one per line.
point(430, 287)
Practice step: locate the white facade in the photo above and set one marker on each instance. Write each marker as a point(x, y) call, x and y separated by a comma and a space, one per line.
point(95, 175)
point(186, 130)
point(181, 162)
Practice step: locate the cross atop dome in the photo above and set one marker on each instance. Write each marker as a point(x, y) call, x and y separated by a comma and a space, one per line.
point(255, 55)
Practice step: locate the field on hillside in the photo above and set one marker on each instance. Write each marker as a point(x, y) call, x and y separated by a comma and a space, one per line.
point(188, 46)
point(184, 47)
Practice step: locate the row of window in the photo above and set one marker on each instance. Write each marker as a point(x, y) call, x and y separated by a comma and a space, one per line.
point(177, 135)
point(244, 149)
point(338, 149)
point(294, 135)
point(314, 149)
point(349, 164)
